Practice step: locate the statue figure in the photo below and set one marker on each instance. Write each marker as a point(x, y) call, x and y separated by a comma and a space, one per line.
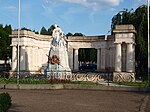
point(58, 36)
point(58, 55)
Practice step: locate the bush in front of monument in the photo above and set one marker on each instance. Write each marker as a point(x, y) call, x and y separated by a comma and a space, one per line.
point(5, 102)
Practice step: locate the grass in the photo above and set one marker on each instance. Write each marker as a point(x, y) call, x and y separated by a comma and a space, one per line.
point(62, 81)
point(83, 83)
point(136, 84)
point(23, 81)
point(43, 81)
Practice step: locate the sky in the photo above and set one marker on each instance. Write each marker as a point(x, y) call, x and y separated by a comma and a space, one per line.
point(90, 17)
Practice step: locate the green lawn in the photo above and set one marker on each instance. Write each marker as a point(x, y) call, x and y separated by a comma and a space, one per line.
point(138, 84)
point(62, 81)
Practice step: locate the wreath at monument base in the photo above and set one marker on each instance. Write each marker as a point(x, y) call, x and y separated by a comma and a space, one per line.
point(54, 59)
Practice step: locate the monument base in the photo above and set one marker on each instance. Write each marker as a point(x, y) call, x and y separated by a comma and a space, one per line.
point(58, 74)
point(123, 76)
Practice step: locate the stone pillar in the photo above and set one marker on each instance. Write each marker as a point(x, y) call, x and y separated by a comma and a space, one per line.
point(28, 57)
point(98, 59)
point(70, 57)
point(36, 58)
point(103, 57)
point(22, 58)
point(14, 58)
point(33, 58)
point(130, 58)
point(118, 58)
point(40, 57)
point(76, 64)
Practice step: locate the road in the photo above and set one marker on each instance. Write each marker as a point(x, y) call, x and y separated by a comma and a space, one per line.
point(75, 101)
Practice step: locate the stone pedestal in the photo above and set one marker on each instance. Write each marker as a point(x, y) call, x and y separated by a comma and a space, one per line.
point(123, 77)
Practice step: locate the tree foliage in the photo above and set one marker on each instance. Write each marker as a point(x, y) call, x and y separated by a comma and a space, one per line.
point(43, 31)
point(5, 41)
point(87, 55)
point(78, 34)
point(48, 31)
point(69, 34)
point(139, 19)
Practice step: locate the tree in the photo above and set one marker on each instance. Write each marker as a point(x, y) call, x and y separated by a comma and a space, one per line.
point(43, 31)
point(50, 29)
point(78, 34)
point(69, 34)
point(5, 41)
point(87, 55)
point(24, 28)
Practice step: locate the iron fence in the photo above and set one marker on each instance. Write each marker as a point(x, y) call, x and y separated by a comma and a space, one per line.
point(98, 77)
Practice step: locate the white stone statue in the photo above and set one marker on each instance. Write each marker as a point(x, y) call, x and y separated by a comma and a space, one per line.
point(58, 37)
point(58, 55)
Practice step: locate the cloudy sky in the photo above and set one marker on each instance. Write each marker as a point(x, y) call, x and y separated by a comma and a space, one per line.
point(90, 17)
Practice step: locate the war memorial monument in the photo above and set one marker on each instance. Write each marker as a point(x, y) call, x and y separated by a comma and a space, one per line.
point(47, 54)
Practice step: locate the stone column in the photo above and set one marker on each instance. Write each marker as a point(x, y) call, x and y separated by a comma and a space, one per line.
point(103, 57)
point(76, 64)
point(130, 58)
point(28, 58)
point(14, 58)
point(70, 57)
point(118, 58)
point(40, 57)
point(33, 58)
point(22, 58)
point(36, 58)
point(98, 59)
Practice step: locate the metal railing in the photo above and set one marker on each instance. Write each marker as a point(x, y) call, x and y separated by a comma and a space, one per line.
point(97, 77)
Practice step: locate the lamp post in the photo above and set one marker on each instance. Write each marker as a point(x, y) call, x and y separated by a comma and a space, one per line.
point(18, 54)
point(148, 45)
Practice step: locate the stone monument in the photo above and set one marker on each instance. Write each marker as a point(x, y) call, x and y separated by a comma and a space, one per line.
point(58, 55)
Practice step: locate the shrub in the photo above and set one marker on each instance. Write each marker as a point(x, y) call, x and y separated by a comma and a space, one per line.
point(5, 102)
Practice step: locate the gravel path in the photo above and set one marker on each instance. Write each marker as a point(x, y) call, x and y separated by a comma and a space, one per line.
point(74, 101)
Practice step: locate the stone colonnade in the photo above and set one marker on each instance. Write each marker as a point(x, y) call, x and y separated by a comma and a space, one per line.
point(130, 67)
point(31, 58)
point(105, 56)
point(33, 49)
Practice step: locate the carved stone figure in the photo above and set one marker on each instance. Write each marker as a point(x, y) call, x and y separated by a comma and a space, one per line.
point(58, 55)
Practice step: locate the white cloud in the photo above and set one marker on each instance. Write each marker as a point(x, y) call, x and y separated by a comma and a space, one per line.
point(10, 8)
point(94, 4)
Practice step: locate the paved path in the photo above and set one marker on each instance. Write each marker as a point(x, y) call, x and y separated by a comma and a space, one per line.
point(74, 101)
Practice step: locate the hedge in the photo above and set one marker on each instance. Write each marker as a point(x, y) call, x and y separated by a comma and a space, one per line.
point(5, 102)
